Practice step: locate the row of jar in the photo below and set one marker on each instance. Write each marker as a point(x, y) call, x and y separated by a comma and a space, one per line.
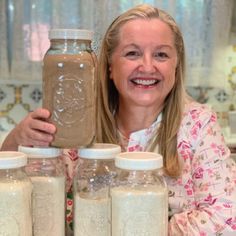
point(114, 193)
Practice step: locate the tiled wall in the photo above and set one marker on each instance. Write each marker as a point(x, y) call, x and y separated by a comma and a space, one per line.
point(221, 95)
point(16, 101)
point(18, 98)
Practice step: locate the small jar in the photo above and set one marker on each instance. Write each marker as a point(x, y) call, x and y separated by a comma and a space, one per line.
point(139, 196)
point(69, 71)
point(15, 195)
point(91, 190)
point(47, 175)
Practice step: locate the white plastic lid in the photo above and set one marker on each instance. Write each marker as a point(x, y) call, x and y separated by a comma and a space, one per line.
point(40, 152)
point(139, 161)
point(70, 34)
point(10, 160)
point(100, 151)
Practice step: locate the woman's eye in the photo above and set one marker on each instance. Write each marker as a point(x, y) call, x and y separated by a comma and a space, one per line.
point(132, 54)
point(161, 55)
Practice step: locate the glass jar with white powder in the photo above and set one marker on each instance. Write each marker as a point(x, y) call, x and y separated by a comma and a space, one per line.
point(15, 195)
point(47, 174)
point(139, 196)
point(91, 189)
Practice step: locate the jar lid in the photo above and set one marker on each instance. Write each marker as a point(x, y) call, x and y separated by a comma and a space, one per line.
point(10, 160)
point(139, 161)
point(40, 152)
point(100, 151)
point(70, 34)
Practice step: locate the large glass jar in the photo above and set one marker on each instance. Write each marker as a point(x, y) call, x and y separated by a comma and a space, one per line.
point(69, 69)
point(91, 190)
point(139, 196)
point(15, 195)
point(46, 172)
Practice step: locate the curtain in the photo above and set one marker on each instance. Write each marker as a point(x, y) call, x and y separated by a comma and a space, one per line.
point(24, 26)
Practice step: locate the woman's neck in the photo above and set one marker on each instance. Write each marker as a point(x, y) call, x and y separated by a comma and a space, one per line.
point(131, 119)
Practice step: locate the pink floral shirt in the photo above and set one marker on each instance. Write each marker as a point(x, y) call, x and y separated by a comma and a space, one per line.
point(202, 201)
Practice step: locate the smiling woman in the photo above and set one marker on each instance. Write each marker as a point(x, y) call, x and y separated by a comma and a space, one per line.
point(142, 105)
point(143, 70)
point(144, 44)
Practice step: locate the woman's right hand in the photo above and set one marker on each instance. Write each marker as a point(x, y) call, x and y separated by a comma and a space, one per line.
point(33, 130)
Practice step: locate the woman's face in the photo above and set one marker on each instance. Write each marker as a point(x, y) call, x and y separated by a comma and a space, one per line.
point(144, 63)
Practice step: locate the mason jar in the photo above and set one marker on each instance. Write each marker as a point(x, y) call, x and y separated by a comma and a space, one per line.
point(91, 189)
point(139, 196)
point(47, 174)
point(69, 71)
point(15, 195)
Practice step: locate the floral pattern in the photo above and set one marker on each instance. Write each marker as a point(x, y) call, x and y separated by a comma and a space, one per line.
point(203, 198)
point(70, 159)
point(202, 201)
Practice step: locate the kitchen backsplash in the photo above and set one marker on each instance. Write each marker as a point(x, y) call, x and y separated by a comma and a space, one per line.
point(16, 101)
point(18, 98)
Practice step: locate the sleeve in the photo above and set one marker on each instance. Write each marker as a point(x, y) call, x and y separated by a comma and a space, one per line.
point(214, 185)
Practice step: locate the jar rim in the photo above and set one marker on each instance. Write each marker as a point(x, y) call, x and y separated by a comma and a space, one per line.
point(100, 151)
point(40, 152)
point(139, 161)
point(12, 159)
point(82, 34)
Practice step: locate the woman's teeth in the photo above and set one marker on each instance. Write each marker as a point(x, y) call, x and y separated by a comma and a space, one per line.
point(145, 82)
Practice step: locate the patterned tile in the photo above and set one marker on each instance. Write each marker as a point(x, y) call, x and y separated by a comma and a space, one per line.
point(222, 96)
point(16, 100)
point(32, 95)
point(17, 113)
point(36, 95)
point(2, 95)
point(8, 97)
point(5, 124)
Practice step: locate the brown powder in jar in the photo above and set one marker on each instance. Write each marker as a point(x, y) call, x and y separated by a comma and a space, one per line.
point(68, 93)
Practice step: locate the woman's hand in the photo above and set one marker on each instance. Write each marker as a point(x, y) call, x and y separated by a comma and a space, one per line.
point(33, 130)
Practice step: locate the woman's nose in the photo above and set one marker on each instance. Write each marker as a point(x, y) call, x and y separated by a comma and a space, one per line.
point(147, 64)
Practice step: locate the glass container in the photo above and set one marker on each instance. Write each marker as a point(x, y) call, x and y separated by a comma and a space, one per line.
point(15, 195)
point(69, 70)
point(91, 190)
point(139, 196)
point(47, 174)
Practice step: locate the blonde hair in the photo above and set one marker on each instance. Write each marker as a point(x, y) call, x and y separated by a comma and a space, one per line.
point(107, 101)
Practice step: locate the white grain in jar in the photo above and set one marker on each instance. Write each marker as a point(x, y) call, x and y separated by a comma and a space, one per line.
point(139, 196)
point(48, 177)
point(15, 195)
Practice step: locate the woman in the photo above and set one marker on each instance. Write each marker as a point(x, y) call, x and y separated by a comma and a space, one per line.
point(142, 105)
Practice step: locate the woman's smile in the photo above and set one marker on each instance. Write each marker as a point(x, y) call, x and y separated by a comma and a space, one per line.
point(143, 82)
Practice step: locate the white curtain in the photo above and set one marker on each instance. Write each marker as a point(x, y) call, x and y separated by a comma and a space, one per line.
point(204, 23)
